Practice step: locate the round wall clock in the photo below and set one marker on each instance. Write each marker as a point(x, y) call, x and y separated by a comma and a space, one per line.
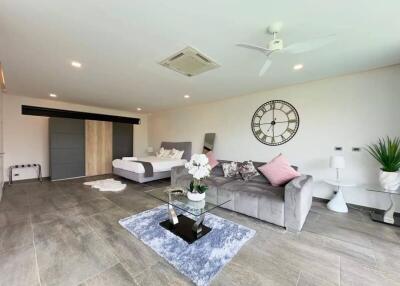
point(275, 122)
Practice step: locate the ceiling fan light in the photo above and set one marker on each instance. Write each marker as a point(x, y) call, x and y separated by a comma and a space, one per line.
point(298, 67)
point(76, 64)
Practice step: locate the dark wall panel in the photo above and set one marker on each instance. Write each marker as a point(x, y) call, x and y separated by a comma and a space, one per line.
point(67, 148)
point(122, 140)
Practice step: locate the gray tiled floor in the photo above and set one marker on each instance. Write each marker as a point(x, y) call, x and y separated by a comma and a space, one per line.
point(63, 233)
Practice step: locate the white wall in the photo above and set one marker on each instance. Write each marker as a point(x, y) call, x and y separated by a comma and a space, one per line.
point(349, 111)
point(26, 138)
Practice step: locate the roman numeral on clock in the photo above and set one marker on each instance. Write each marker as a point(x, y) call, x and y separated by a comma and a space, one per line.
point(258, 133)
point(290, 130)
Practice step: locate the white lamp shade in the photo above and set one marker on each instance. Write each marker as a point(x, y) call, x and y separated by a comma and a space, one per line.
point(337, 162)
point(149, 149)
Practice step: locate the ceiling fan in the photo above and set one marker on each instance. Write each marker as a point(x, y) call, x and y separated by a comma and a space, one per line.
point(276, 45)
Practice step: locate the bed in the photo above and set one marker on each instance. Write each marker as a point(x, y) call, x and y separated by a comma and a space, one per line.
point(135, 171)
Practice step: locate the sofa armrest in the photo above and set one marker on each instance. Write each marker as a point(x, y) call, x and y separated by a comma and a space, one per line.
point(178, 173)
point(298, 200)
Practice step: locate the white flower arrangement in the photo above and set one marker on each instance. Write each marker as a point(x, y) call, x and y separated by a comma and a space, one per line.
point(198, 166)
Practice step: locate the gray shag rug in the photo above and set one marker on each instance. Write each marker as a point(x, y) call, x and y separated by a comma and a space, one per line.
point(199, 261)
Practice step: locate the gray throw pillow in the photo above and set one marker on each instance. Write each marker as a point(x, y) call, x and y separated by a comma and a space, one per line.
point(247, 170)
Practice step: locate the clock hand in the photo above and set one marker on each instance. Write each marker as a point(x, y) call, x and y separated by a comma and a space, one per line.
point(273, 113)
point(273, 130)
point(272, 125)
point(265, 123)
point(282, 121)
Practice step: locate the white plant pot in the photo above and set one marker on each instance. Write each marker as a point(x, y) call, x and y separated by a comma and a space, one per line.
point(197, 205)
point(196, 197)
point(389, 180)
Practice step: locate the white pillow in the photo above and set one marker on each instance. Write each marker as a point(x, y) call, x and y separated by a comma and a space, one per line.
point(159, 153)
point(164, 153)
point(176, 154)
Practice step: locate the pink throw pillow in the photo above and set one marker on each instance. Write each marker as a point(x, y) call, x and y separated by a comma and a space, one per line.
point(278, 171)
point(212, 161)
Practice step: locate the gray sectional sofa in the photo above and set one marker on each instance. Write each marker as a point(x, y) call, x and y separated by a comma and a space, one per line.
point(286, 206)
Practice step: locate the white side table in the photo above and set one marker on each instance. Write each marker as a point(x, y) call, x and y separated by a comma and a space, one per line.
point(337, 203)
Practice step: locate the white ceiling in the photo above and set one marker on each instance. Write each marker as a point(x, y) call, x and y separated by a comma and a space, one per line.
point(120, 43)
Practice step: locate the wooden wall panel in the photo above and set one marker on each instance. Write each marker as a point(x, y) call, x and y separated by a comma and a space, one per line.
point(98, 148)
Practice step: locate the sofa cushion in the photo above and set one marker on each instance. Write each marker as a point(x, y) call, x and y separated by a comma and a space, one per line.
point(254, 199)
point(257, 188)
point(212, 161)
point(217, 181)
point(247, 170)
point(217, 171)
point(279, 171)
point(231, 169)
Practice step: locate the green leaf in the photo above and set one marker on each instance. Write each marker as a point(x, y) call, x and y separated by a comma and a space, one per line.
point(202, 188)
point(387, 153)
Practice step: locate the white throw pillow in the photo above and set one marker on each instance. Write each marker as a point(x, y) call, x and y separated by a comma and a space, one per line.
point(176, 154)
point(160, 152)
point(164, 153)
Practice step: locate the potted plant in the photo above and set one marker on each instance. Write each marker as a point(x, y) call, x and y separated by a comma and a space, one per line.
point(198, 167)
point(387, 153)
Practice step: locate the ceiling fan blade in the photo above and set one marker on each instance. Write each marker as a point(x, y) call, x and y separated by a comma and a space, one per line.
point(254, 47)
point(265, 67)
point(310, 45)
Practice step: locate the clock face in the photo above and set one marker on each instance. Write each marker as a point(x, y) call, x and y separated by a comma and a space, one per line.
point(275, 122)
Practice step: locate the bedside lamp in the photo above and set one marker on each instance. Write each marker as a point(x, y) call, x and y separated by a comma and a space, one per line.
point(149, 149)
point(337, 203)
point(337, 162)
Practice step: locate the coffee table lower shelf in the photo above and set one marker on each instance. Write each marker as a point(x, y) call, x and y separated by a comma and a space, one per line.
point(184, 229)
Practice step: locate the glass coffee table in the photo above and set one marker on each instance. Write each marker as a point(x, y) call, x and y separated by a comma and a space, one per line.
point(388, 216)
point(185, 227)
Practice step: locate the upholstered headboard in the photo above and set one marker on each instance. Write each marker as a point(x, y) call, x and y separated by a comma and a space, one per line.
point(182, 146)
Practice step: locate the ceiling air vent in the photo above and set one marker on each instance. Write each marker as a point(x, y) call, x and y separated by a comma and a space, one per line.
point(189, 62)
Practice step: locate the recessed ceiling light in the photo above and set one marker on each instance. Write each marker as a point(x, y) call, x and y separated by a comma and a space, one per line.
point(138, 109)
point(53, 95)
point(298, 67)
point(76, 64)
point(186, 96)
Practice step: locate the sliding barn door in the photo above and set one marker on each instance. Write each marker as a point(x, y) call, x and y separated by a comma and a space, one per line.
point(98, 155)
point(67, 148)
point(122, 140)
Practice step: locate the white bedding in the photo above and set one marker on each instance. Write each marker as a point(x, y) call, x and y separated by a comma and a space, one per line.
point(159, 164)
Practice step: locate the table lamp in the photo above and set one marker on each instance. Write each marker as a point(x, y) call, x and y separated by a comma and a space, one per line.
point(337, 162)
point(337, 203)
point(149, 149)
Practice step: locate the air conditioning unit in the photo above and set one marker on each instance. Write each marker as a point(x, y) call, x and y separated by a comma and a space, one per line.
point(189, 62)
